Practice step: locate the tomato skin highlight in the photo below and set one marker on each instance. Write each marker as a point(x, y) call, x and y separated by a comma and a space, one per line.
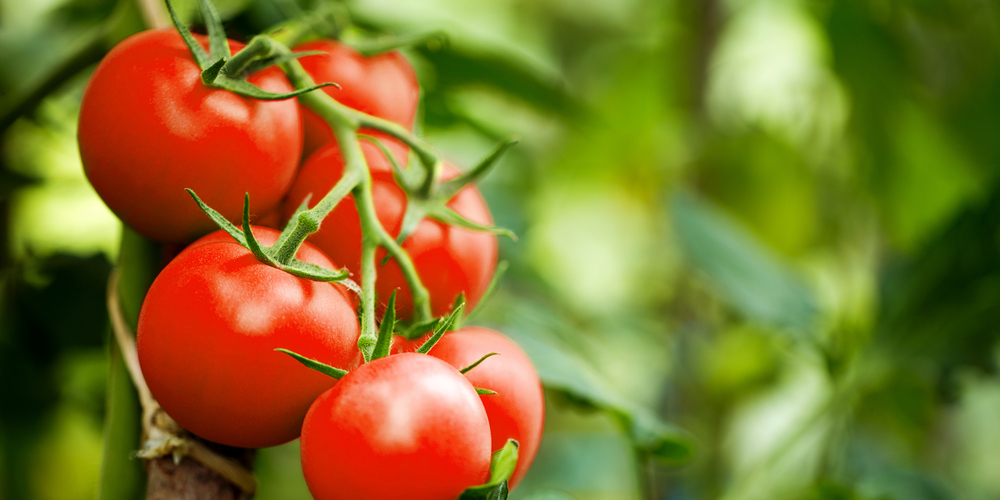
point(406, 426)
point(449, 260)
point(384, 85)
point(149, 128)
point(208, 329)
point(517, 410)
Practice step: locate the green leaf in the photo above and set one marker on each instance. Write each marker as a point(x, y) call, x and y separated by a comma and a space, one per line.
point(197, 51)
point(323, 368)
point(485, 392)
point(251, 241)
point(475, 174)
point(502, 466)
point(442, 213)
point(442, 327)
point(480, 360)
point(745, 272)
point(563, 372)
point(313, 272)
point(397, 170)
point(267, 62)
point(417, 330)
point(217, 41)
point(214, 76)
point(385, 330)
point(219, 220)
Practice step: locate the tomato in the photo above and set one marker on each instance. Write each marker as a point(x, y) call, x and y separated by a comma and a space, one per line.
point(405, 426)
point(517, 410)
point(208, 329)
point(449, 260)
point(149, 128)
point(383, 85)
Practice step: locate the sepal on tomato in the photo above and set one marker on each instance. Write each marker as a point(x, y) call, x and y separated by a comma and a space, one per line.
point(428, 197)
point(269, 255)
point(502, 466)
point(444, 325)
point(321, 367)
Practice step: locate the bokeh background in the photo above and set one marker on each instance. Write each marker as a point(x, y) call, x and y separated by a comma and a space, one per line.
point(775, 224)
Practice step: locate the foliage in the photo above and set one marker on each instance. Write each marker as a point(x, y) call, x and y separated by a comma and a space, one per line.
point(773, 221)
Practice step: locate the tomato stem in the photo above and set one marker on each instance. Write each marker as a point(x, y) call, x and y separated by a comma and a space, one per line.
point(345, 123)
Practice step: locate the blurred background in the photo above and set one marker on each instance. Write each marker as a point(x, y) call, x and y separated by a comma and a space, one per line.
point(764, 232)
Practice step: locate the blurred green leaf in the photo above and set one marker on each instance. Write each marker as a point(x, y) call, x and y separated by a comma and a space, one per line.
point(564, 372)
point(744, 271)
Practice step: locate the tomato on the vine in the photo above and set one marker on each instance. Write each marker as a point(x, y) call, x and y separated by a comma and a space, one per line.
point(405, 426)
point(450, 260)
point(517, 410)
point(383, 85)
point(208, 329)
point(149, 128)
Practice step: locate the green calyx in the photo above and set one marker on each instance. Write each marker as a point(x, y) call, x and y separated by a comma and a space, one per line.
point(223, 70)
point(427, 196)
point(502, 466)
point(323, 368)
point(276, 255)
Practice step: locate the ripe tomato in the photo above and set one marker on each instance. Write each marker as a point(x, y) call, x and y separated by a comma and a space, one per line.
point(149, 128)
point(384, 86)
point(207, 333)
point(517, 410)
point(450, 260)
point(405, 426)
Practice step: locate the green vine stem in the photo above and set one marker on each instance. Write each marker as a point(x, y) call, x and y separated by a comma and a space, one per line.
point(345, 123)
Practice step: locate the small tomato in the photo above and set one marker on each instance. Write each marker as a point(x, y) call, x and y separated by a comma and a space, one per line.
point(207, 332)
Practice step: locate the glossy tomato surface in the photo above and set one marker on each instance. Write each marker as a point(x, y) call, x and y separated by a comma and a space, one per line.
point(517, 410)
point(383, 85)
point(149, 128)
point(207, 333)
point(405, 426)
point(449, 260)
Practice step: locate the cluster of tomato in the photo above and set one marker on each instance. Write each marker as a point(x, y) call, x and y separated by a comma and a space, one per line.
point(407, 425)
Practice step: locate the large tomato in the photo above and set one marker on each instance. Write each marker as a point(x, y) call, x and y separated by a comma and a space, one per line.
point(449, 260)
point(207, 333)
point(149, 128)
point(406, 426)
point(517, 410)
point(384, 86)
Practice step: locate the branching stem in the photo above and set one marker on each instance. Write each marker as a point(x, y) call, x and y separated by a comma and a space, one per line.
point(357, 179)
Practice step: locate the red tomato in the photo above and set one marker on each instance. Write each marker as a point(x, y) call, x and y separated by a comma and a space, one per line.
point(207, 333)
point(149, 128)
point(517, 410)
point(406, 426)
point(384, 86)
point(450, 260)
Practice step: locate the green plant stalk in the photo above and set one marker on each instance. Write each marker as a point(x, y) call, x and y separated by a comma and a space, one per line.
point(345, 123)
point(122, 477)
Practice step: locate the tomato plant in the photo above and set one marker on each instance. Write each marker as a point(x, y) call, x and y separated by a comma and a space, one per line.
point(405, 426)
point(208, 328)
point(450, 260)
point(517, 410)
point(383, 85)
point(149, 128)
